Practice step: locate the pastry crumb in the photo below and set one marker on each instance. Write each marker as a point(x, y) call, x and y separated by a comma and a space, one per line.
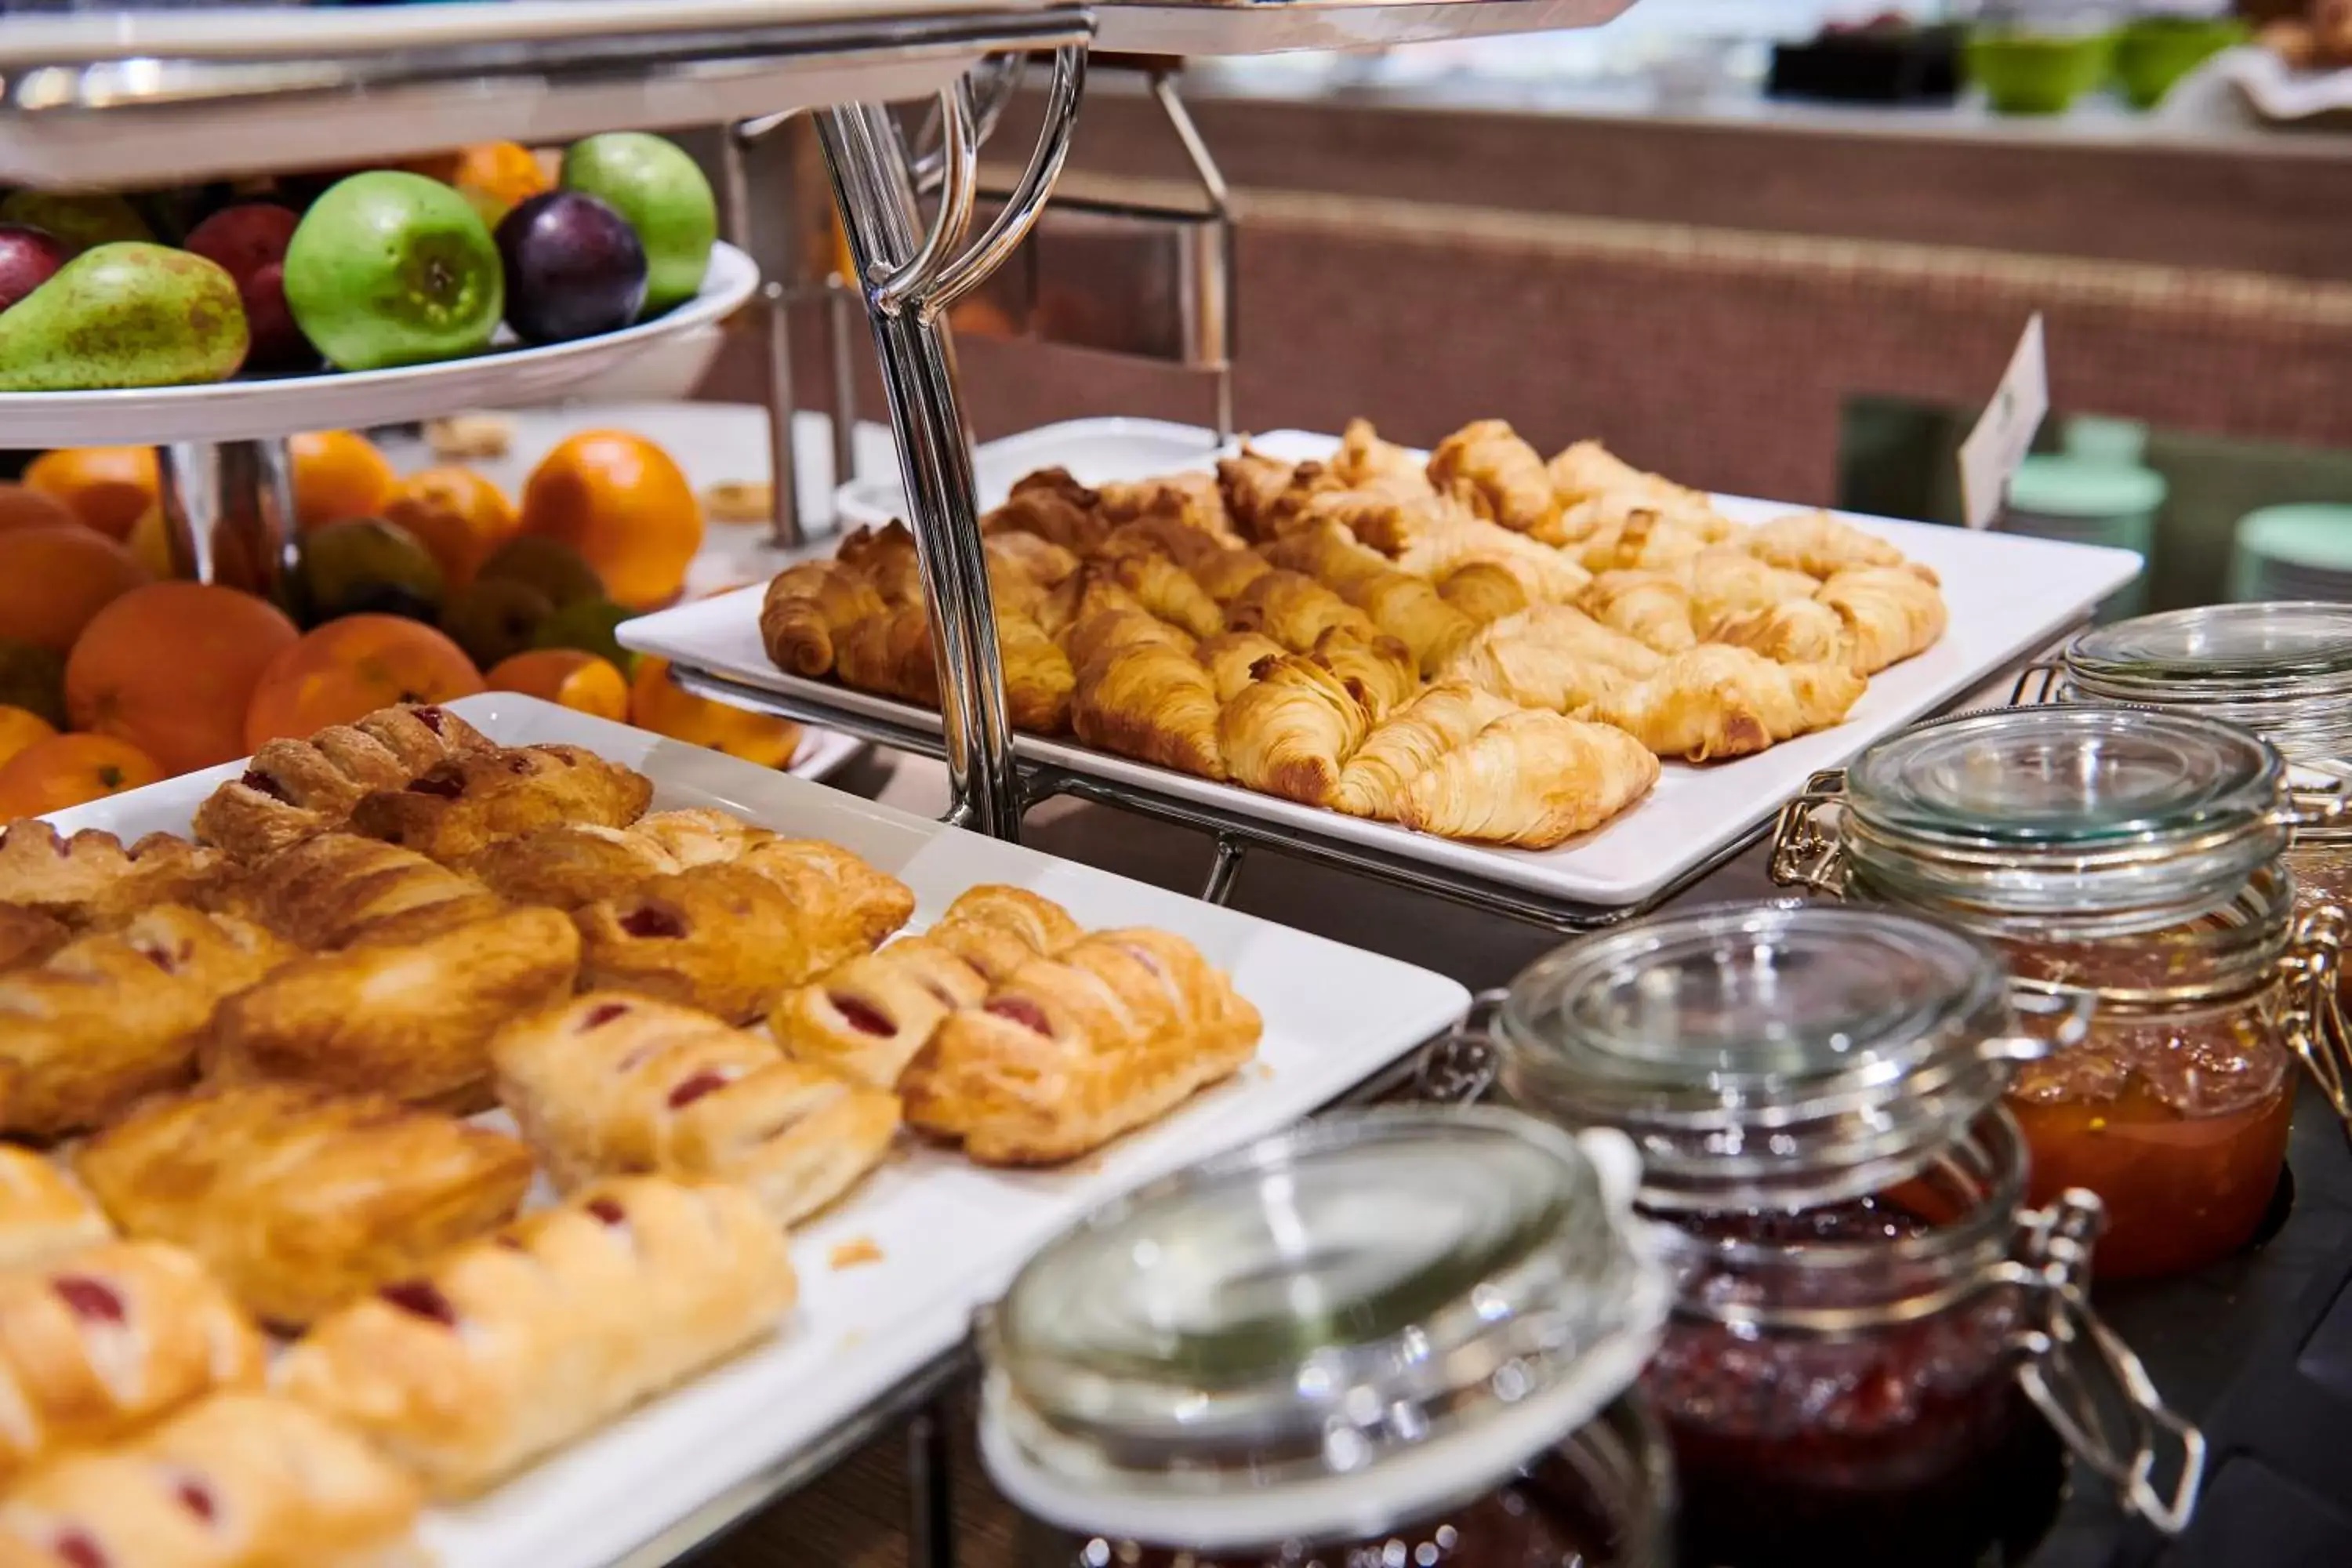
point(854, 1253)
point(739, 501)
point(463, 435)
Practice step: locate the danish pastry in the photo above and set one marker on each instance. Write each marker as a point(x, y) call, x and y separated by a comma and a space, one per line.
point(42, 1213)
point(294, 789)
point(117, 1015)
point(102, 1341)
point(459, 807)
point(609, 1084)
point(572, 864)
point(90, 881)
point(997, 928)
point(28, 936)
point(297, 1198)
point(510, 1347)
point(339, 890)
point(869, 1017)
point(240, 1481)
point(412, 1021)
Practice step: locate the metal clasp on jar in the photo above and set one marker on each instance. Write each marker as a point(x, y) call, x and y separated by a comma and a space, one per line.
point(2037, 683)
point(2086, 1379)
point(1805, 852)
point(2313, 1019)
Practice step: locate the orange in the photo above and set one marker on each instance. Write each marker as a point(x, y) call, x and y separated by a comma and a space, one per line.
point(497, 176)
point(19, 729)
point(337, 474)
point(625, 506)
point(24, 507)
point(105, 487)
point(170, 668)
point(53, 580)
point(151, 542)
point(457, 514)
point(660, 704)
point(347, 669)
point(67, 770)
point(565, 674)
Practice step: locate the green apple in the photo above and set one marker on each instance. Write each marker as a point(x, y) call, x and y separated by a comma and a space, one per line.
point(392, 268)
point(653, 184)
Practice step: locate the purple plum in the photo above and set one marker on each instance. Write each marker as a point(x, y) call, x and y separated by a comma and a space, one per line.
point(575, 267)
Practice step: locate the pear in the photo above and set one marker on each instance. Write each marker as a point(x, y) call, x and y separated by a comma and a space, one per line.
point(124, 315)
point(80, 219)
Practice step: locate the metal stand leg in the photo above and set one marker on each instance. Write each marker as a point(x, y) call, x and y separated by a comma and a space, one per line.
point(931, 1490)
point(1226, 870)
point(228, 512)
point(843, 365)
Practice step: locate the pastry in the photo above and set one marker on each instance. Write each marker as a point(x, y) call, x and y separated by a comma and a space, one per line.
point(294, 789)
point(1409, 743)
point(737, 501)
point(1587, 470)
point(1483, 591)
point(885, 557)
point(91, 880)
point(1055, 507)
point(510, 1347)
point(608, 1084)
point(869, 1017)
point(1727, 584)
point(339, 891)
point(1153, 702)
point(1111, 631)
point(1294, 610)
point(42, 1213)
point(1502, 477)
point(1368, 463)
point(997, 928)
point(888, 652)
point(459, 807)
point(1818, 544)
point(570, 863)
point(1168, 592)
point(1228, 574)
point(28, 936)
point(1070, 1052)
point(1552, 658)
point(1638, 538)
point(1794, 631)
point(1530, 780)
point(1455, 537)
point(1190, 500)
point(1231, 656)
point(1290, 730)
point(412, 1021)
point(1038, 679)
point(1719, 702)
point(239, 1480)
point(1254, 485)
point(809, 608)
point(1402, 605)
point(1889, 614)
point(1040, 562)
point(297, 1198)
point(1378, 671)
point(475, 438)
point(117, 1015)
point(846, 907)
point(97, 1343)
point(1654, 608)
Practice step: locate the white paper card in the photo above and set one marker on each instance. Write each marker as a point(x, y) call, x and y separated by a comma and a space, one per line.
point(2004, 433)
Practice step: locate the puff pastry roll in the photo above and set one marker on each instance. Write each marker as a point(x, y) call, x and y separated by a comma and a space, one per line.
point(413, 1021)
point(1719, 702)
point(1366, 462)
point(509, 1348)
point(1654, 608)
point(1168, 592)
point(458, 809)
point(28, 936)
point(1408, 745)
point(1230, 657)
point(1294, 610)
point(1292, 729)
point(294, 789)
point(90, 881)
point(1378, 671)
point(1152, 702)
point(1052, 505)
point(869, 1017)
point(1794, 631)
point(997, 928)
point(297, 1198)
point(42, 1213)
point(847, 906)
point(1727, 584)
point(610, 1084)
point(1454, 539)
point(574, 864)
point(1889, 612)
point(101, 1341)
point(339, 891)
point(1530, 780)
point(1483, 591)
point(1072, 1051)
point(809, 609)
point(240, 1481)
point(1502, 477)
point(1818, 544)
point(118, 1015)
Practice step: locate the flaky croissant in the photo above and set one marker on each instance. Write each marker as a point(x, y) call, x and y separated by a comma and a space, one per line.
point(1409, 743)
point(1651, 607)
point(1530, 780)
point(889, 652)
point(1053, 506)
point(1038, 679)
point(1638, 537)
point(1890, 613)
point(1291, 731)
point(1368, 463)
point(1227, 574)
point(1588, 469)
point(1253, 486)
point(1818, 544)
point(1190, 500)
point(1109, 631)
point(1158, 534)
point(1501, 476)
point(1454, 539)
point(886, 557)
point(1717, 701)
point(1168, 591)
point(1380, 671)
point(1532, 672)
point(1727, 583)
point(1483, 591)
point(1153, 702)
point(1404, 606)
point(1231, 656)
point(1294, 610)
point(1794, 631)
point(807, 611)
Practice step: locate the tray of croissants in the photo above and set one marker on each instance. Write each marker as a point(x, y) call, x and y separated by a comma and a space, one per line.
point(1564, 674)
point(486, 1135)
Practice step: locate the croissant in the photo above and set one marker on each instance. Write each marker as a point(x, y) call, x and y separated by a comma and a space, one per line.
point(1638, 537)
point(1727, 583)
point(1381, 672)
point(1253, 486)
point(1889, 614)
point(1178, 541)
point(1454, 539)
point(1291, 731)
point(1409, 743)
point(1484, 591)
point(1112, 631)
point(1152, 702)
point(1228, 574)
point(1717, 701)
point(1794, 631)
point(1368, 463)
point(1501, 476)
point(1168, 591)
point(886, 558)
point(1024, 571)
point(1651, 607)
point(1572, 630)
point(890, 653)
point(1190, 500)
point(1514, 663)
point(1818, 544)
point(1326, 550)
point(1404, 606)
point(808, 610)
point(1038, 679)
point(1530, 780)
point(1294, 610)
point(1230, 656)
point(1052, 505)
point(1588, 469)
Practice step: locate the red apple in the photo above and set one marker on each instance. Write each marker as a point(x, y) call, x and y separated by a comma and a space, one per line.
point(248, 241)
point(28, 257)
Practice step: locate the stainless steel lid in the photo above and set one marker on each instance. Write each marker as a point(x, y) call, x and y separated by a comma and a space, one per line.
point(2087, 819)
point(1765, 1056)
point(1341, 1329)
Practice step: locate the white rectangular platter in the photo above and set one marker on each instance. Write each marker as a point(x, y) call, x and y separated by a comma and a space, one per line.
point(950, 1233)
point(2008, 595)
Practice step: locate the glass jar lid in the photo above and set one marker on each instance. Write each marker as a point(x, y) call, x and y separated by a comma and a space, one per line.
point(1766, 1056)
point(1369, 1319)
point(2084, 818)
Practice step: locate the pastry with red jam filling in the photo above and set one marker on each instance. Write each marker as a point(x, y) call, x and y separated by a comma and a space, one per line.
point(460, 807)
point(294, 789)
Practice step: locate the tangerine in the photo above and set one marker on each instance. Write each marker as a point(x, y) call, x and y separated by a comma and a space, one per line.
point(347, 669)
point(497, 177)
point(19, 728)
point(660, 704)
point(22, 507)
point(105, 487)
point(66, 769)
point(337, 474)
point(624, 505)
point(455, 513)
point(577, 680)
point(170, 668)
point(54, 580)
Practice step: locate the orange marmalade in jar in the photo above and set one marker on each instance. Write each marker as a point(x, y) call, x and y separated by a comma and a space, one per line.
point(2128, 865)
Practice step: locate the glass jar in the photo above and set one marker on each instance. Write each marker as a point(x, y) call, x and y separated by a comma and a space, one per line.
point(2128, 859)
point(1394, 1337)
point(1864, 1310)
